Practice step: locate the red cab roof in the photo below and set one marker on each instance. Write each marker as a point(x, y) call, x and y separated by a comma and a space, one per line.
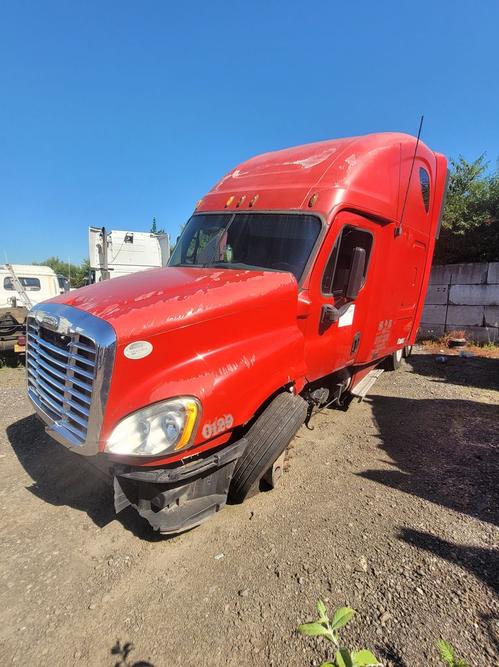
point(363, 171)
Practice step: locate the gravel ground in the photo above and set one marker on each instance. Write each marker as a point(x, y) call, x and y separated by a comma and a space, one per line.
point(390, 507)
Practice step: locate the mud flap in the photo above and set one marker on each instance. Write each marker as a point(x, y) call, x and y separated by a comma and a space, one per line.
point(176, 499)
point(121, 502)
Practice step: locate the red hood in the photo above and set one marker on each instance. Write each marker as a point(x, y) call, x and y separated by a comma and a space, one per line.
point(155, 301)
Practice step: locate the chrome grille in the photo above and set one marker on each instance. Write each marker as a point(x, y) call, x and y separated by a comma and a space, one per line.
point(61, 371)
point(69, 361)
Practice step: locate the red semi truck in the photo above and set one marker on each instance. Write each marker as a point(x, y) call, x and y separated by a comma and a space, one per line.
point(298, 274)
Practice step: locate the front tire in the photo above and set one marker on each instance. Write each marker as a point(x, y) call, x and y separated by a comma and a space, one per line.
point(267, 439)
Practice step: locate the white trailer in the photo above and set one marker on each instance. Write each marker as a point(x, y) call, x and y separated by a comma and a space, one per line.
point(26, 284)
point(118, 253)
point(21, 287)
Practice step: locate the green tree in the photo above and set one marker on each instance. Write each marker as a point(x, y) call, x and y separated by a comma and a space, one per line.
point(154, 228)
point(78, 272)
point(470, 225)
point(79, 277)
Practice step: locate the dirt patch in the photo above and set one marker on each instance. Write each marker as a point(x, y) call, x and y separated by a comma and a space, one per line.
point(389, 507)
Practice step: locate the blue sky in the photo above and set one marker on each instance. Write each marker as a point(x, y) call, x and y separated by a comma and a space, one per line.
point(114, 112)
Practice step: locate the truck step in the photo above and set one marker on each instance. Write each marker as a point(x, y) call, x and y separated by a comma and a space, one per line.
point(362, 387)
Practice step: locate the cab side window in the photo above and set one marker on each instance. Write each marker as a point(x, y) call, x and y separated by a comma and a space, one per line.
point(337, 271)
point(424, 181)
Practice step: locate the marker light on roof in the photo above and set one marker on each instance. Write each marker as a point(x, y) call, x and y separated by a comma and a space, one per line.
point(241, 201)
point(253, 201)
point(312, 200)
point(229, 201)
point(198, 204)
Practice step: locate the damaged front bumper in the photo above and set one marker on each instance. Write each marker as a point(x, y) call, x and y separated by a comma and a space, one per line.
point(180, 497)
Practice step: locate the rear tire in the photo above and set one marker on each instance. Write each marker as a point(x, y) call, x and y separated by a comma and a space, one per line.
point(407, 351)
point(394, 360)
point(267, 439)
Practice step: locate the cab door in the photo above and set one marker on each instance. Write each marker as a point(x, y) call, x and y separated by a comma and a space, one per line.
point(337, 318)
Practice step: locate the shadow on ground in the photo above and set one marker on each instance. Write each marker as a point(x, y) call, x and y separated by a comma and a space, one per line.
point(123, 650)
point(482, 562)
point(61, 477)
point(444, 450)
point(470, 372)
point(387, 652)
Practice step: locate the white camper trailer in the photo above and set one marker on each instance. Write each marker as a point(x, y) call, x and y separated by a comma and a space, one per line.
point(118, 253)
point(21, 287)
point(38, 283)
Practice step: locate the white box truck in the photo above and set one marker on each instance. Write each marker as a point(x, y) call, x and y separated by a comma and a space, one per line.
point(118, 253)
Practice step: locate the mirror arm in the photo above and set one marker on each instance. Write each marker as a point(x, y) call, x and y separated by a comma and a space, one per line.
point(330, 314)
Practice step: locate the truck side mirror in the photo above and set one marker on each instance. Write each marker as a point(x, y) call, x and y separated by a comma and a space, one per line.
point(356, 273)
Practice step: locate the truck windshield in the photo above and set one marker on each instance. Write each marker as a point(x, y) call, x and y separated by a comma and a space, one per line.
point(275, 241)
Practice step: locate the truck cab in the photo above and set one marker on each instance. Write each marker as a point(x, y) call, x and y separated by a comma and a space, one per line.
point(297, 275)
point(22, 286)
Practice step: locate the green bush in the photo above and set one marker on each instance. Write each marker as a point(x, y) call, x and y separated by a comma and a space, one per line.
point(470, 225)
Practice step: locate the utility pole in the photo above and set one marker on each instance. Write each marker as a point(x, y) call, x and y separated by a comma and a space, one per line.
point(105, 267)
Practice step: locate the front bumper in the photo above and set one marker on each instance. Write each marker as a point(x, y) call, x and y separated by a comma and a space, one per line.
point(181, 497)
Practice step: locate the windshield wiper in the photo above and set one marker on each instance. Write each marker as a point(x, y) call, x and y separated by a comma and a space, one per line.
point(231, 265)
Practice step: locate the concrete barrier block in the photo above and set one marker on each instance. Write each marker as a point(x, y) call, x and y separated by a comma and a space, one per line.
point(492, 316)
point(482, 335)
point(430, 331)
point(441, 274)
point(493, 273)
point(474, 273)
point(437, 294)
point(434, 314)
point(474, 295)
point(458, 316)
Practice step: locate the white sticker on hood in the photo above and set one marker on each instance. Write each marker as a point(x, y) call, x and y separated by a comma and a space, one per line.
point(138, 349)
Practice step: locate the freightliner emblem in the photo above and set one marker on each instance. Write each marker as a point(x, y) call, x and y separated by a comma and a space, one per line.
point(48, 321)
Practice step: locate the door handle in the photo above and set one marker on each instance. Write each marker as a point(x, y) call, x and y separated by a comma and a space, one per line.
point(355, 343)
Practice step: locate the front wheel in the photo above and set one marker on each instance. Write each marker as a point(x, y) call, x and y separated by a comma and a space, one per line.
point(267, 438)
point(394, 360)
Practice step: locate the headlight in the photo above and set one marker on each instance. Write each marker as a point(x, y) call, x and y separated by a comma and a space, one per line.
point(158, 429)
